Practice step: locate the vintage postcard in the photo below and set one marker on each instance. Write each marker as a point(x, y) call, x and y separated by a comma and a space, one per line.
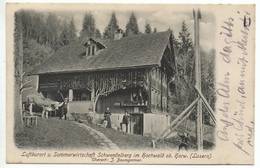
point(130, 83)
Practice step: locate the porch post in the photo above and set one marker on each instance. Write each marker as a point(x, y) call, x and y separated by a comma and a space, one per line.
point(70, 95)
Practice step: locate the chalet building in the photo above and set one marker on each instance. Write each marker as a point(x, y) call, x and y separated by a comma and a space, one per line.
point(126, 74)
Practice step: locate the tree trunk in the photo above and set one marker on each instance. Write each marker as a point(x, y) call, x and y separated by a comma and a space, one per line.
point(21, 107)
point(18, 122)
point(95, 102)
point(18, 63)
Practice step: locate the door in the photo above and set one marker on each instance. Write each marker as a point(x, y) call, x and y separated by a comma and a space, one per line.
point(136, 124)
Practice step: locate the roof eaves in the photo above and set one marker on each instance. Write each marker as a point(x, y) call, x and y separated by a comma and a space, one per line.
point(93, 70)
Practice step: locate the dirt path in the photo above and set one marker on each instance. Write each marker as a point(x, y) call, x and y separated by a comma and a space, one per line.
point(104, 141)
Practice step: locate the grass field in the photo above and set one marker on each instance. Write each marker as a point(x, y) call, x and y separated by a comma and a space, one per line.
point(133, 141)
point(60, 134)
point(54, 133)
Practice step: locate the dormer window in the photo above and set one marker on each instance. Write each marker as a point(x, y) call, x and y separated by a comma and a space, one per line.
point(91, 50)
point(92, 47)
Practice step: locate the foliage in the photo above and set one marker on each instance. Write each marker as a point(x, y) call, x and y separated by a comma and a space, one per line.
point(34, 26)
point(208, 76)
point(35, 54)
point(72, 32)
point(18, 71)
point(43, 34)
point(97, 34)
point(111, 27)
point(176, 43)
point(148, 28)
point(88, 26)
point(64, 36)
point(52, 30)
point(68, 33)
point(47, 29)
point(185, 40)
point(185, 78)
point(132, 26)
point(184, 54)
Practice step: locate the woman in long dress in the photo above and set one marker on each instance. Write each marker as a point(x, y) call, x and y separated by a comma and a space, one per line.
point(107, 117)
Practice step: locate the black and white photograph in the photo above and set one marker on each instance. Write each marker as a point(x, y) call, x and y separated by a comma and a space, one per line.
point(130, 83)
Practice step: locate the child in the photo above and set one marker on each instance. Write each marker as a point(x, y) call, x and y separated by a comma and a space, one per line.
point(184, 140)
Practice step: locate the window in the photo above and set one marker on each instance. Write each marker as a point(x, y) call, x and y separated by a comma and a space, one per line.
point(159, 99)
point(93, 50)
point(135, 96)
point(81, 95)
point(89, 50)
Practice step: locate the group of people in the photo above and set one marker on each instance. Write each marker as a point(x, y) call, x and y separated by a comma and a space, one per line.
point(107, 120)
point(125, 121)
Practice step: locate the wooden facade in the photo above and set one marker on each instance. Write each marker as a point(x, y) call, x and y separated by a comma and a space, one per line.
point(147, 87)
point(132, 74)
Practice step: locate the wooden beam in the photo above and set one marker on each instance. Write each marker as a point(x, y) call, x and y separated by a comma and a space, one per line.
point(70, 95)
point(165, 136)
point(176, 121)
point(199, 125)
point(210, 110)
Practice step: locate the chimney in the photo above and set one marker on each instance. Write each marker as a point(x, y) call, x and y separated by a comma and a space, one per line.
point(118, 34)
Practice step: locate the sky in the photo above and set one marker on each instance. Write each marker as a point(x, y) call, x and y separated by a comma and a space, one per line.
point(161, 17)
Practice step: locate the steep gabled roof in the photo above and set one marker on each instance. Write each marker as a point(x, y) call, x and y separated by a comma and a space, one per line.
point(128, 52)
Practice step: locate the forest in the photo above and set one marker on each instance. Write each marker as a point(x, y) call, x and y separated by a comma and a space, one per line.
point(38, 35)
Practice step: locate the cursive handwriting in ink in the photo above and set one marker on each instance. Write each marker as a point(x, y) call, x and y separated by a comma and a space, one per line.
point(224, 90)
point(223, 134)
point(240, 143)
point(250, 134)
point(242, 43)
point(227, 32)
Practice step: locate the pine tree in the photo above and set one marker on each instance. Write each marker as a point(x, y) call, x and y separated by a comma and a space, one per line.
point(132, 26)
point(34, 26)
point(185, 39)
point(52, 25)
point(184, 54)
point(176, 44)
point(64, 36)
point(148, 28)
point(111, 27)
point(38, 27)
point(88, 26)
point(97, 34)
point(72, 32)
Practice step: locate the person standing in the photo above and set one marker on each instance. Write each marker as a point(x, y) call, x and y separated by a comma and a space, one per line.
point(107, 117)
point(64, 109)
point(125, 121)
